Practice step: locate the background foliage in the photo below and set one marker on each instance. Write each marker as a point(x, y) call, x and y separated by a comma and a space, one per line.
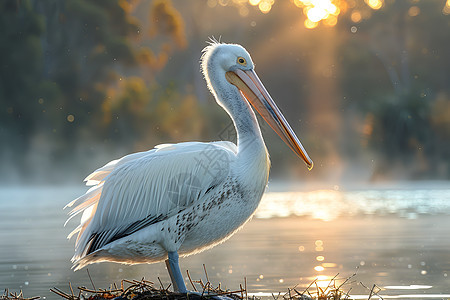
point(366, 87)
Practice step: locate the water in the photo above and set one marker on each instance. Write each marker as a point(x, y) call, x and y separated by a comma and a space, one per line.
point(398, 239)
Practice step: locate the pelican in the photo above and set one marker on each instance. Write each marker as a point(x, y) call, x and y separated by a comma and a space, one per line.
point(180, 199)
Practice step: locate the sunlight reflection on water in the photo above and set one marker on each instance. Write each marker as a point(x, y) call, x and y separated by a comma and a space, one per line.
point(328, 205)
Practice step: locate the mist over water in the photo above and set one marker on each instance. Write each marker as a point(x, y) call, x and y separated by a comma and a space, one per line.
point(394, 238)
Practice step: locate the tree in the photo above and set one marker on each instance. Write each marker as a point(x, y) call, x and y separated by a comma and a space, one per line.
point(60, 62)
point(391, 73)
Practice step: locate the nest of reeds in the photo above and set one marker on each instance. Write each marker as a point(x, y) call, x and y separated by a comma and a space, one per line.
point(336, 289)
point(147, 290)
point(141, 290)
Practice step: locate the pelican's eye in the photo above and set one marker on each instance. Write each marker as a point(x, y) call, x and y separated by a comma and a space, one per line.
point(242, 61)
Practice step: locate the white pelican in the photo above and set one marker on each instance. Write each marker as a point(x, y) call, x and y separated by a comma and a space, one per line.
point(184, 198)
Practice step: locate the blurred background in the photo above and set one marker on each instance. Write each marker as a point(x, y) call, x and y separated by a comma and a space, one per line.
point(364, 83)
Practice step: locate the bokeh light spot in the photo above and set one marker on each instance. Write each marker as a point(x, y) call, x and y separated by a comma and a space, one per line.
point(310, 24)
point(414, 11)
point(446, 9)
point(319, 268)
point(316, 14)
point(356, 16)
point(264, 7)
point(330, 21)
point(374, 4)
point(243, 11)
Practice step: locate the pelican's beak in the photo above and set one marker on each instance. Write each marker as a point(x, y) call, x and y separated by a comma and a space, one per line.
point(255, 92)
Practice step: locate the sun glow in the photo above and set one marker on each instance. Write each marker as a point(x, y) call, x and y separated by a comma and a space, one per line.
point(374, 4)
point(446, 9)
point(264, 5)
point(319, 10)
point(323, 281)
point(316, 12)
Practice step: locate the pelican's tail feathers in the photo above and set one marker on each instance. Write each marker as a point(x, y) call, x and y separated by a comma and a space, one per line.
point(91, 193)
point(80, 263)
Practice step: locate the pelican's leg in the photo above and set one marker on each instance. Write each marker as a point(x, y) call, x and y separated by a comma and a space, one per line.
point(175, 274)
point(177, 279)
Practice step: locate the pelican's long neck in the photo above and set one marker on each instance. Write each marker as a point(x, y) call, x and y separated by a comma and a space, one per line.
point(252, 164)
point(249, 137)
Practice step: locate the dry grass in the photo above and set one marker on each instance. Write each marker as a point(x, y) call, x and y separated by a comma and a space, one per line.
point(336, 289)
point(332, 291)
point(7, 295)
point(146, 290)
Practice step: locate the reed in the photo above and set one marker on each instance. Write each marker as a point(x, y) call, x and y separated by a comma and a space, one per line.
point(336, 289)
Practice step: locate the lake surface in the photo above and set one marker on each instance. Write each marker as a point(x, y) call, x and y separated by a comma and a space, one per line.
point(396, 237)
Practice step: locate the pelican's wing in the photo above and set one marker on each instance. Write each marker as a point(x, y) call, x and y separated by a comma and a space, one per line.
point(98, 175)
point(147, 187)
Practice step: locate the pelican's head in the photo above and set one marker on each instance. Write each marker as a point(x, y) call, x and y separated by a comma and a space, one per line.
point(224, 58)
point(232, 64)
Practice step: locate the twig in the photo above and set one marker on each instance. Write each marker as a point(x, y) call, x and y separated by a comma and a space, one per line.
point(372, 291)
point(162, 286)
point(129, 288)
point(245, 288)
point(71, 290)
point(190, 280)
point(87, 270)
point(228, 292)
point(348, 278)
point(100, 291)
point(315, 280)
point(206, 273)
point(347, 295)
point(60, 293)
